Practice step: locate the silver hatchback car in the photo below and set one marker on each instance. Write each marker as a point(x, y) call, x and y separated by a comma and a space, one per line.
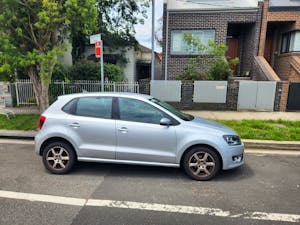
point(133, 129)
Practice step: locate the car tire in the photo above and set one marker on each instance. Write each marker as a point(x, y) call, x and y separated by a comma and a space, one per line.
point(201, 163)
point(59, 157)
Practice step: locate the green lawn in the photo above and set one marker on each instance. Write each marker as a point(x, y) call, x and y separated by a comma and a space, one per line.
point(19, 122)
point(279, 130)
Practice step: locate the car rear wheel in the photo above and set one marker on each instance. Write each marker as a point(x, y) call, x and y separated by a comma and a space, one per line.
point(59, 157)
point(201, 163)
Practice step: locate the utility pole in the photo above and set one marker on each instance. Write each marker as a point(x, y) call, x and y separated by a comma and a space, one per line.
point(152, 41)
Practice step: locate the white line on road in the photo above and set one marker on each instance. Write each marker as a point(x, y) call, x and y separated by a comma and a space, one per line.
point(149, 206)
point(43, 198)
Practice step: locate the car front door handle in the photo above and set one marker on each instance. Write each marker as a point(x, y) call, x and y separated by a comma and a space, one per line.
point(75, 125)
point(123, 130)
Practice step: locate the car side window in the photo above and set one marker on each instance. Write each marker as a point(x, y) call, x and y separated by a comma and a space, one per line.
point(139, 111)
point(100, 107)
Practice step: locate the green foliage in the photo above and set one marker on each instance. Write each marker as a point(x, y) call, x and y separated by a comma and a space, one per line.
point(190, 72)
point(220, 67)
point(60, 72)
point(89, 70)
point(32, 34)
point(116, 20)
point(112, 72)
point(84, 70)
point(220, 70)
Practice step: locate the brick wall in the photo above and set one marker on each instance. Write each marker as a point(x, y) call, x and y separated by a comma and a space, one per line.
point(285, 16)
point(284, 68)
point(284, 95)
point(144, 86)
point(291, 21)
point(210, 20)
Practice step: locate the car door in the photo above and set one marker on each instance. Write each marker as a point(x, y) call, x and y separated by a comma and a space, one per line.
point(92, 128)
point(140, 137)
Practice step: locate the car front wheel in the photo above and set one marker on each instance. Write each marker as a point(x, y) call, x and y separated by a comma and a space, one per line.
point(58, 157)
point(201, 163)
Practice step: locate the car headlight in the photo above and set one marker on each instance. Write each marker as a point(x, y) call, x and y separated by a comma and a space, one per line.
point(232, 139)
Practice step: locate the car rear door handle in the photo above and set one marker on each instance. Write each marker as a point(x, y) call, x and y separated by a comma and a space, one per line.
point(75, 125)
point(123, 130)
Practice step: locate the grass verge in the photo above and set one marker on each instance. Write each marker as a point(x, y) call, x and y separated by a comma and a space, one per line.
point(19, 122)
point(278, 130)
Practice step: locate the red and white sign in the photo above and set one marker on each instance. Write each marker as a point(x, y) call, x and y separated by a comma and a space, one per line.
point(98, 49)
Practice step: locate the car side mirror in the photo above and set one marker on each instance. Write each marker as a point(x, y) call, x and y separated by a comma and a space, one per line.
point(165, 122)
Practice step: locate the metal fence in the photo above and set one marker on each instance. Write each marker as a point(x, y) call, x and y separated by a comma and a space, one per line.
point(25, 94)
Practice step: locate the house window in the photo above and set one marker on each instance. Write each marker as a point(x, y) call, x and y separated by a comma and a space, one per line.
point(180, 46)
point(290, 42)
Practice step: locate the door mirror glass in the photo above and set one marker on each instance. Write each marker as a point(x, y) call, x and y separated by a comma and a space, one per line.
point(165, 122)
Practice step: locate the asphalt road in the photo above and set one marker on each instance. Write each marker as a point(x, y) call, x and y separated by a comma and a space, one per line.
point(266, 190)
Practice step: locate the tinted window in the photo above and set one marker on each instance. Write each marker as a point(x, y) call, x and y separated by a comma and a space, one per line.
point(139, 111)
point(94, 107)
point(70, 106)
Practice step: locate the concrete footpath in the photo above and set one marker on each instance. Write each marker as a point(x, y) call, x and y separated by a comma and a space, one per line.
point(245, 115)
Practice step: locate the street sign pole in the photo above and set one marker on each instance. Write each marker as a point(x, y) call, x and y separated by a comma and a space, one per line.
point(152, 41)
point(96, 39)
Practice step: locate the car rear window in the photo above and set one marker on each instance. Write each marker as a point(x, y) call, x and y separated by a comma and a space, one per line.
point(100, 107)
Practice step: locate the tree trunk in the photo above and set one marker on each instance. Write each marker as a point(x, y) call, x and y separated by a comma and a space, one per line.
point(40, 89)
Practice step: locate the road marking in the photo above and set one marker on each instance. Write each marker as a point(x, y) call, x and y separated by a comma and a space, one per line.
point(149, 206)
point(43, 198)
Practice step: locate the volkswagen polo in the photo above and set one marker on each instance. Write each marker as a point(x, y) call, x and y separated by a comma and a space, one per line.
point(133, 129)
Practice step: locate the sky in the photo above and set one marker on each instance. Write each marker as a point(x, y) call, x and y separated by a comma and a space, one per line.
point(143, 31)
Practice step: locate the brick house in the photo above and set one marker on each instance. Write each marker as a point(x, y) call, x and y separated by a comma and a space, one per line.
point(265, 35)
point(279, 40)
point(237, 25)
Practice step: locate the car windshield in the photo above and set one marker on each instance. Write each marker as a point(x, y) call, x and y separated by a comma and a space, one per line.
point(171, 109)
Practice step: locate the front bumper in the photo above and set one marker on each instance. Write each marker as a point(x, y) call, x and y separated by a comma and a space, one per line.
point(233, 156)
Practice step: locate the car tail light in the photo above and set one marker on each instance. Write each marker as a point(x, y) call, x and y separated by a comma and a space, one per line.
point(42, 121)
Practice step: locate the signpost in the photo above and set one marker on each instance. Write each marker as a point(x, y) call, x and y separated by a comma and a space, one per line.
point(96, 39)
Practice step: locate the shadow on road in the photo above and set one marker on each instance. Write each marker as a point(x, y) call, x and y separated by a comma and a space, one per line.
point(133, 171)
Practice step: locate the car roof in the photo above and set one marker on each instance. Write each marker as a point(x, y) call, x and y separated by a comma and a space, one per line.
point(107, 94)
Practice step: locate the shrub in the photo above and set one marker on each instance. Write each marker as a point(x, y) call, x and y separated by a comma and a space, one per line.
point(220, 70)
point(89, 70)
point(190, 72)
point(220, 67)
point(84, 70)
point(60, 72)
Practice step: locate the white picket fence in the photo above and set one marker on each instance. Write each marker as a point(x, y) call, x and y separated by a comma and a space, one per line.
point(25, 94)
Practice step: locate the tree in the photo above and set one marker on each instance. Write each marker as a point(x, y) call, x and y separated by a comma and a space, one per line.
point(32, 34)
point(115, 21)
